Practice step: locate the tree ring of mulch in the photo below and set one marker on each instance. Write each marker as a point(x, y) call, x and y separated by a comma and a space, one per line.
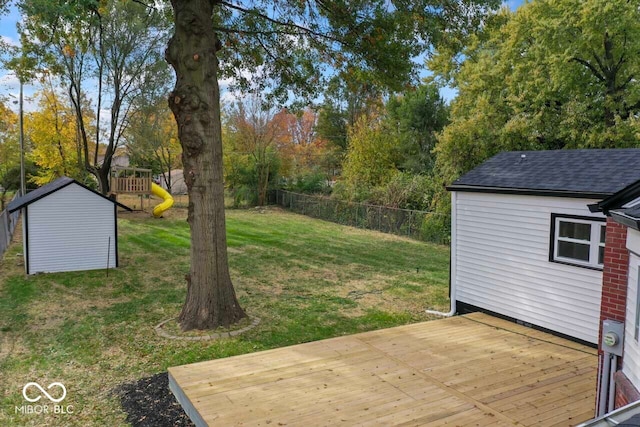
point(148, 402)
point(161, 331)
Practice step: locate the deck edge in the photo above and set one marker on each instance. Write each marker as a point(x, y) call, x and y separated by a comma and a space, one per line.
point(185, 402)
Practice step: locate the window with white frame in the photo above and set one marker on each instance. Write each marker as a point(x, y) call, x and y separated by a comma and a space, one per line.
point(578, 240)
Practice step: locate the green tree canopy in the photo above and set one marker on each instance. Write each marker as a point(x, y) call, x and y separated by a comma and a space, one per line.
point(371, 159)
point(550, 75)
point(417, 116)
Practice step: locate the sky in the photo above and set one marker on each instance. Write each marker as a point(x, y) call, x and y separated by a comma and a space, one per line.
point(9, 85)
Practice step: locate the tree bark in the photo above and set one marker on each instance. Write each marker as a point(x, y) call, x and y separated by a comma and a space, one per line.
point(102, 173)
point(195, 101)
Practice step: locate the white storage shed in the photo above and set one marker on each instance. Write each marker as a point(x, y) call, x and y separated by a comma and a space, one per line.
point(524, 243)
point(68, 227)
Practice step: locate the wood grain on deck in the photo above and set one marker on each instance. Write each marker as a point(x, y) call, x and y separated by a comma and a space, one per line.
point(469, 370)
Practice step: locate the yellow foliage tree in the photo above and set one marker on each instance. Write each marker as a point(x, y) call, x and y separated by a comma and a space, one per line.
point(371, 159)
point(9, 150)
point(53, 136)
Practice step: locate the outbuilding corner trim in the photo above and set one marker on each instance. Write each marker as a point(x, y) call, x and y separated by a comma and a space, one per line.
point(25, 218)
point(527, 192)
point(115, 226)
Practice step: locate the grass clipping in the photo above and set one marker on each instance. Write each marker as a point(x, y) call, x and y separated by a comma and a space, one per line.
point(170, 329)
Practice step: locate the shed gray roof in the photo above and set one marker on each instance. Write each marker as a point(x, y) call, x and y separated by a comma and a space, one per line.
point(52, 187)
point(588, 173)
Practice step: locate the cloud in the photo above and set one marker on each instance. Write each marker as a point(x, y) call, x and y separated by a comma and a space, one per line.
point(9, 84)
point(9, 41)
point(10, 92)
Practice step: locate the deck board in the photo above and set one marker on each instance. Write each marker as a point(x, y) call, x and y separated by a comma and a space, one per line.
point(465, 370)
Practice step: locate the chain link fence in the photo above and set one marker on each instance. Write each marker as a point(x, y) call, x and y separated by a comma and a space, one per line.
point(7, 227)
point(403, 222)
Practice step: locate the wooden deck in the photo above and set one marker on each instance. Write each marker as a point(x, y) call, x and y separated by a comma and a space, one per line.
point(473, 370)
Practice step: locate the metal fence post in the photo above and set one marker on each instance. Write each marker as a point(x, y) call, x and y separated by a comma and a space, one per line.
point(356, 215)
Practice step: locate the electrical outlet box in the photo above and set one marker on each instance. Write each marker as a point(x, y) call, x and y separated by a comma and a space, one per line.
point(612, 337)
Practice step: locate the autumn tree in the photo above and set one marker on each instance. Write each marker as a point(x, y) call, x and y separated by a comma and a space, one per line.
point(52, 133)
point(9, 148)
point(106, 51)
point(253, 134)
point(302, 151)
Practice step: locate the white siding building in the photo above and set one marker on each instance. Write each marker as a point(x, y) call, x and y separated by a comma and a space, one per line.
point(525, 244)
point(68, 227)
point(502, 262)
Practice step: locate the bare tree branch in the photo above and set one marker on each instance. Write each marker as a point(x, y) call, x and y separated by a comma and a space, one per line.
point(590, 67)
point(305, 30)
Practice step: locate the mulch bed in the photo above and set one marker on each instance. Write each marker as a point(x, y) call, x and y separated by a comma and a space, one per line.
point(148, 402)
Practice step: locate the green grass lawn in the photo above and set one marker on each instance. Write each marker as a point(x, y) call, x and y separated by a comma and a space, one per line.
point(305, 279)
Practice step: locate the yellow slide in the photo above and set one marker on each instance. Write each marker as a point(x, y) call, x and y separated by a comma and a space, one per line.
point(163, 194)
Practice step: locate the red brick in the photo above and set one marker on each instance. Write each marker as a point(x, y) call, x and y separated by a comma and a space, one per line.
point(625, 391)
point(615, 273)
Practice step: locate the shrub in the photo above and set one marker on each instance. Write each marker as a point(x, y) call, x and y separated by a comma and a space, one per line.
point(404, 190)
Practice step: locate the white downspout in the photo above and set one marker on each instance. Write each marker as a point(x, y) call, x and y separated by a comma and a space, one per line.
point(453, 262)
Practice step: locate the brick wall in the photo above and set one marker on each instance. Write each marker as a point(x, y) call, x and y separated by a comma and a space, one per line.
point(614, 293)
point(625, 391)
point(615, 273)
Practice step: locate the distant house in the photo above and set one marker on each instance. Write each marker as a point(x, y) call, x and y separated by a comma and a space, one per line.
point(526, 246)
point(120, 158)
point(178, 186)
point(68, 227)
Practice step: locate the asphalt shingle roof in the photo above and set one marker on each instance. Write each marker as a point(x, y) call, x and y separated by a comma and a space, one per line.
point(593, 172)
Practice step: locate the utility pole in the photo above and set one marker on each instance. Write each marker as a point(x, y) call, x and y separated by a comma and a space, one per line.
point(23, 187)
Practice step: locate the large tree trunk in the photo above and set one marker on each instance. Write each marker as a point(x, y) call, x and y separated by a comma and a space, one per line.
point(195, 102)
